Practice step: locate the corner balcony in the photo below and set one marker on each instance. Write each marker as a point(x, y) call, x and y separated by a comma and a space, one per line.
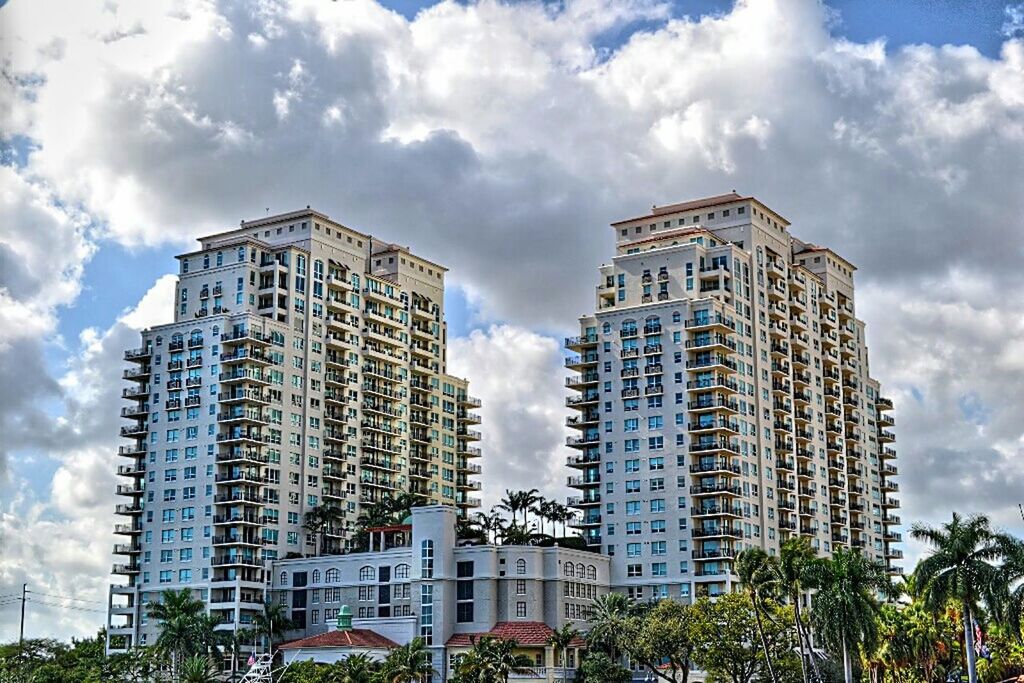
point(136, 451)
point(136, 431)
point(129, 490)
point(245, 337)
point(580, 381)
point(128, 509)
point(581, 342)
point(137, 374)
point(139, 355)
point(126, 569)
point(583, 482)
point(582, 441)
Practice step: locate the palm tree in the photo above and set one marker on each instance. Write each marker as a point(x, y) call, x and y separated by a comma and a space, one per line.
point(759, 576)
point(845, 608)
point(796, 560)
point(607, 617)
point(357, 668)
point(519, 501)
point(490, 524)
point(199, 669)
point(319, 520)
point(271, 624)
point(185, 628)
point(491, 660)
point(407, 663)
point(560, 639)
point(1007, 596)
point(960, 569)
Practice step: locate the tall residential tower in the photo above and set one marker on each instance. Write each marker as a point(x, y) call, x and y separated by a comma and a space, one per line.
point(305, 368)
point(725, 402)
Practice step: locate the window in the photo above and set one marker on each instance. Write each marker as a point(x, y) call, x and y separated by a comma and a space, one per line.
point(427, 562)
point(402, 571)
point(427, 603)
point(520, 586)
point(332, 576)
point(520, 610)
point(284, 578)
point(520, 566)
point(366, 573)
point(316, 576)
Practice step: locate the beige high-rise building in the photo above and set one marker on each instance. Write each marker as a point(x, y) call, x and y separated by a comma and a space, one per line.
point(305, 368)
point(725, 402)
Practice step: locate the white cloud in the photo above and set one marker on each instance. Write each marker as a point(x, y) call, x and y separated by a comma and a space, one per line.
point(519, 376)
point(61, 545)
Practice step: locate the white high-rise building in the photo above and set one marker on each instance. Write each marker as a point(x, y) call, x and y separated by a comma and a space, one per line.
point(725, 402)
point(305, 368)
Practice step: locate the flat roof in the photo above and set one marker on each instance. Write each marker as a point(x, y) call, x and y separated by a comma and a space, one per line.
point(705, 202)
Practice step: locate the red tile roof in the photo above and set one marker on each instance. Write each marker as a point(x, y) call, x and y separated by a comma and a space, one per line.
point(525, 633)
point(357, 637)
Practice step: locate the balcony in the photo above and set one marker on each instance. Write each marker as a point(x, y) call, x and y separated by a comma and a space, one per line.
point(135, 431)
point(576, 343)
point(711, 322)
point(245, 336)
point(137, 374)
point(139, 355)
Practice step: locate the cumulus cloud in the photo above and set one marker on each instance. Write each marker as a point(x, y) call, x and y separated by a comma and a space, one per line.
point(499, 139)
point(519, 376)
point(61, 544)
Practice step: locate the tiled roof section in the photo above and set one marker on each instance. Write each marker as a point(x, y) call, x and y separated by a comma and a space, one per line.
point(527, 633)
point(357, 637)
point(688, 206)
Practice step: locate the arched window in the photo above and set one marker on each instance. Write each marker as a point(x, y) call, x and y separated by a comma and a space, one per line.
point(652, 320)
point(520, 566)
point(581, 570)
point(332, 576)
point(570, 569)
point(402, 571)
point(159, 341)
point(177, 339)
point(366, 573)
point(676, 316)
point(196, 337)
point(629, 324)
point(284, 578)
point(606, 328)
point(592, 573)
point(316, 576)
point(216, 331)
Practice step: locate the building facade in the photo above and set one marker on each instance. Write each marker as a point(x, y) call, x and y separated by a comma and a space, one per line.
point(305, 367)
point(725, 401)
point(417, 581)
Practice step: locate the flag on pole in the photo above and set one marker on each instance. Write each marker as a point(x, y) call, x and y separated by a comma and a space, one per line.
point(252, 660)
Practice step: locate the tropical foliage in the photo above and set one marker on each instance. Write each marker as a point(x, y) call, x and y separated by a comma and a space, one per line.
point(491, 660)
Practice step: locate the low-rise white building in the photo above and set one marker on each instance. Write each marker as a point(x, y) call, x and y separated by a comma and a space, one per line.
point(418, 582)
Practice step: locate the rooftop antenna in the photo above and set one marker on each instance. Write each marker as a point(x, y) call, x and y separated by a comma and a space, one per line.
point(1021, 508)
point(268, 209)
